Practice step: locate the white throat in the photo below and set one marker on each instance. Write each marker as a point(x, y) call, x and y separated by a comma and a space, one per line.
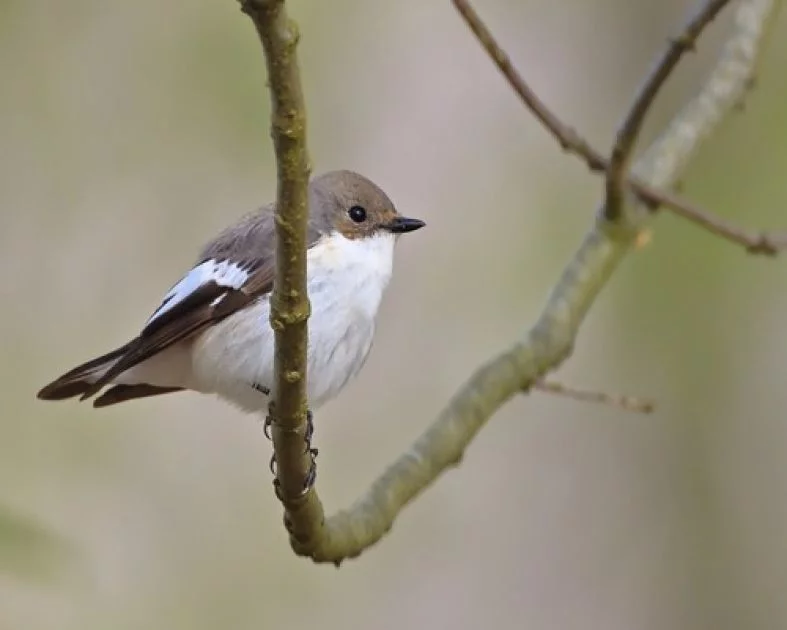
point(357, 270)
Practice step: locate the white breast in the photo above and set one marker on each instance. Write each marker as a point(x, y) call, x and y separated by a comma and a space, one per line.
point(346, 280)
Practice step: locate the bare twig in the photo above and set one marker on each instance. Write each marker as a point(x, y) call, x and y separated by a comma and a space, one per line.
point(620, 159)
point(289, 300)
point(570, 140)
point(764, 243)
point(566, 136)
point(627, 403)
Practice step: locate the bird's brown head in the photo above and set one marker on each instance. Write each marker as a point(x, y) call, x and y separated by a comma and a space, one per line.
point(356, 207)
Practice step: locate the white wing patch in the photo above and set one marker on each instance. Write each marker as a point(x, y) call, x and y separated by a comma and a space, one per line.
point(224, 273)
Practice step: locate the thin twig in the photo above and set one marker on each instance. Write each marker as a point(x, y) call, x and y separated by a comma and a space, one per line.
point(623, 149)
point(764, 243)
point(627, 403)
point(289, 300)
point(570, 140)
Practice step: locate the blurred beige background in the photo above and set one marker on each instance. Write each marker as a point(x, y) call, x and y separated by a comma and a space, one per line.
point(131, 131)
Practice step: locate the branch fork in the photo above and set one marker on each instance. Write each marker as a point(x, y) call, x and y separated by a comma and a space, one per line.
point(633, 191)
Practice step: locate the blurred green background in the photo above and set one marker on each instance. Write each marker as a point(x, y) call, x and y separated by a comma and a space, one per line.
point(132, 131)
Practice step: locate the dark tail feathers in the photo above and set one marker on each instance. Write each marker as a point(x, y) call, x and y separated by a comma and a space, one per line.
point(81, 382)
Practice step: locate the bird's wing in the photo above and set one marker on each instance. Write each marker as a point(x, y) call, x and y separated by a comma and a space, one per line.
point(211, 291)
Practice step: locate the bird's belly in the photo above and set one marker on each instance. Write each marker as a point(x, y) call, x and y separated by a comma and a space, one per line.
point(235, 355)
point(339, 344)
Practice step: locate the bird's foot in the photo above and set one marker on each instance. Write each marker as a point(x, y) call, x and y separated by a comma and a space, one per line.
point(262, 389)
point(311, 474)
point(265, 391)
point(309, 432)
point(308, 480)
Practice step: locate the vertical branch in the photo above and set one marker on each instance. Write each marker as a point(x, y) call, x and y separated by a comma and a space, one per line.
point(289, 300)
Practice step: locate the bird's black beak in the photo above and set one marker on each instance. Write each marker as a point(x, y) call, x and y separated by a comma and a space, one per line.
point(400, 225)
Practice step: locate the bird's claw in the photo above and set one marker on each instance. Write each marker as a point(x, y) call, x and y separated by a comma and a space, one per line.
point(311, 474)
point(262, 389)
point(309, 432)
point(308, 480)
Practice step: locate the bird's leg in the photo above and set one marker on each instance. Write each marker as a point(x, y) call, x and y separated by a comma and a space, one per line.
point(309, 433)
point(311, 475)
point(265, 391)
point(262, 389)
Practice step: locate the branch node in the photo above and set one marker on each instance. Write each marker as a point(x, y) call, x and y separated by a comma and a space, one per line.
point(684, 42)
point(763, 245)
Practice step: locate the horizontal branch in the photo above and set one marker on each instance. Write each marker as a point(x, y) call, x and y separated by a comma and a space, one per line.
point(627, 403)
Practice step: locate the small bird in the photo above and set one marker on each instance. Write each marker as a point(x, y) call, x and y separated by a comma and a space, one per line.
point(211, 334)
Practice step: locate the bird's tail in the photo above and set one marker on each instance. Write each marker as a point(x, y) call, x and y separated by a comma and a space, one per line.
point(86, 381)
point(80, 380)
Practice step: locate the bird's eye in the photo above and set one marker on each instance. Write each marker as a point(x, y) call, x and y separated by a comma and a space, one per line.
point(357, 214)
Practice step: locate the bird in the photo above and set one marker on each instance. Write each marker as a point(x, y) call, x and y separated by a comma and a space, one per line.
point(211, 333)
